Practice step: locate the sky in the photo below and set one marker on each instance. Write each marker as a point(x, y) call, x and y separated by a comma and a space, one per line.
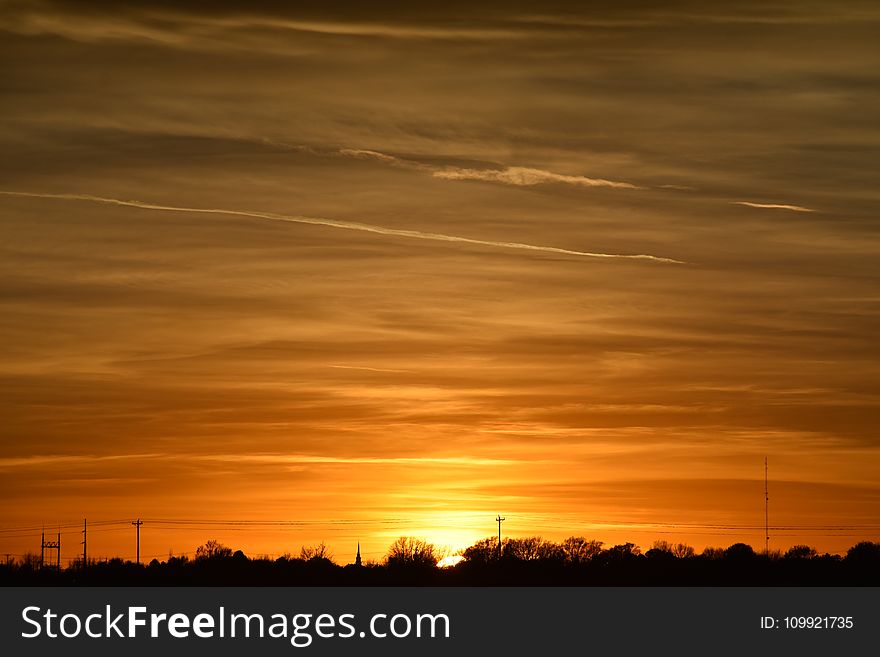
point(391, 270)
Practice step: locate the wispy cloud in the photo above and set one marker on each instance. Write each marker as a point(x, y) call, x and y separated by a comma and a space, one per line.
point(344, 225)
point(374, 29)
point(774, 206)
point(526, 177)
point(369, 369)
point(62, 460)
point(712, 16)
point(45, 460)
point(384, 158)
point(181, 29)
point(517, 176)
point(311, 458)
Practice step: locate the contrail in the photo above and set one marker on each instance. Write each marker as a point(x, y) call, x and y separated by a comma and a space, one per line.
point(345, 225)
point(773, 206)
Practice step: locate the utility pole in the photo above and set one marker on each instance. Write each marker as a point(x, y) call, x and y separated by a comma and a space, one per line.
point(766, 512)
point(137, 523)
point(499, 520)
point(84, 544)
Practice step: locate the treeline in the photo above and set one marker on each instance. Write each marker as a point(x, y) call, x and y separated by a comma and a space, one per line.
point(530, 561)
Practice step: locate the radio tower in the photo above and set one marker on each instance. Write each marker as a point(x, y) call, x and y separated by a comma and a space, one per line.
point(499, 520)
point(766, 512)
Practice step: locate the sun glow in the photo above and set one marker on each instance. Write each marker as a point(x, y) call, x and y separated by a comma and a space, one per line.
point(448, 562)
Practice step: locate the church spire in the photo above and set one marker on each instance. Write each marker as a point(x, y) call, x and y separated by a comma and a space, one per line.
point(357, 559)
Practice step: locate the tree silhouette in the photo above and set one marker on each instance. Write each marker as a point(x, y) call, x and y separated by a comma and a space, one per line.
point(482, 552)
point(577, 549)
point(712, 553)
point(865, 552)
point(682, 551)
point(739, 552)
point(523, 549)
point(316, 553)
point(411, 552)
point(213, 550)
point(800, 552)
point(622, 552)
point(530, 561)
point(677, 550)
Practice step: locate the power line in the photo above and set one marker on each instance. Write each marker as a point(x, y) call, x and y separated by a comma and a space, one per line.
point(538, 522)
point(68, 525)
point(542, 520)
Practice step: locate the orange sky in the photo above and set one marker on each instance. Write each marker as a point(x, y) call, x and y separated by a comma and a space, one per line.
point(408, 309)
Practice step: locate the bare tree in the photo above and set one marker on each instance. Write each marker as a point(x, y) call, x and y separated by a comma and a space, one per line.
point(31, 561)
point(578, 549)
point(316, 552)
point(677, 550)
point(550, 551)
point(522, 549)
point(213, 549)
point(712, 553)
point(409, 551)
point(682, 551)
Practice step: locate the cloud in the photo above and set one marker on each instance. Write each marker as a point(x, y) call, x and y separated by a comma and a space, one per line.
point(345, 225)
point(517, 176)
point(646, 18)
point(773, 206)
point(279, 459)
point(526, 177)
point(375, 29)
point(273, 458)
point(72, 460)
point(370, 369)
point(181, 29)
point(365, 154)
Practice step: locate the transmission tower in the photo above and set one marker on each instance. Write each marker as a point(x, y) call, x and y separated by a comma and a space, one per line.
point(50, 545)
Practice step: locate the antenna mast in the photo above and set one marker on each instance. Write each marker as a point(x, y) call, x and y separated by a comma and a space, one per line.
point(766, 512)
